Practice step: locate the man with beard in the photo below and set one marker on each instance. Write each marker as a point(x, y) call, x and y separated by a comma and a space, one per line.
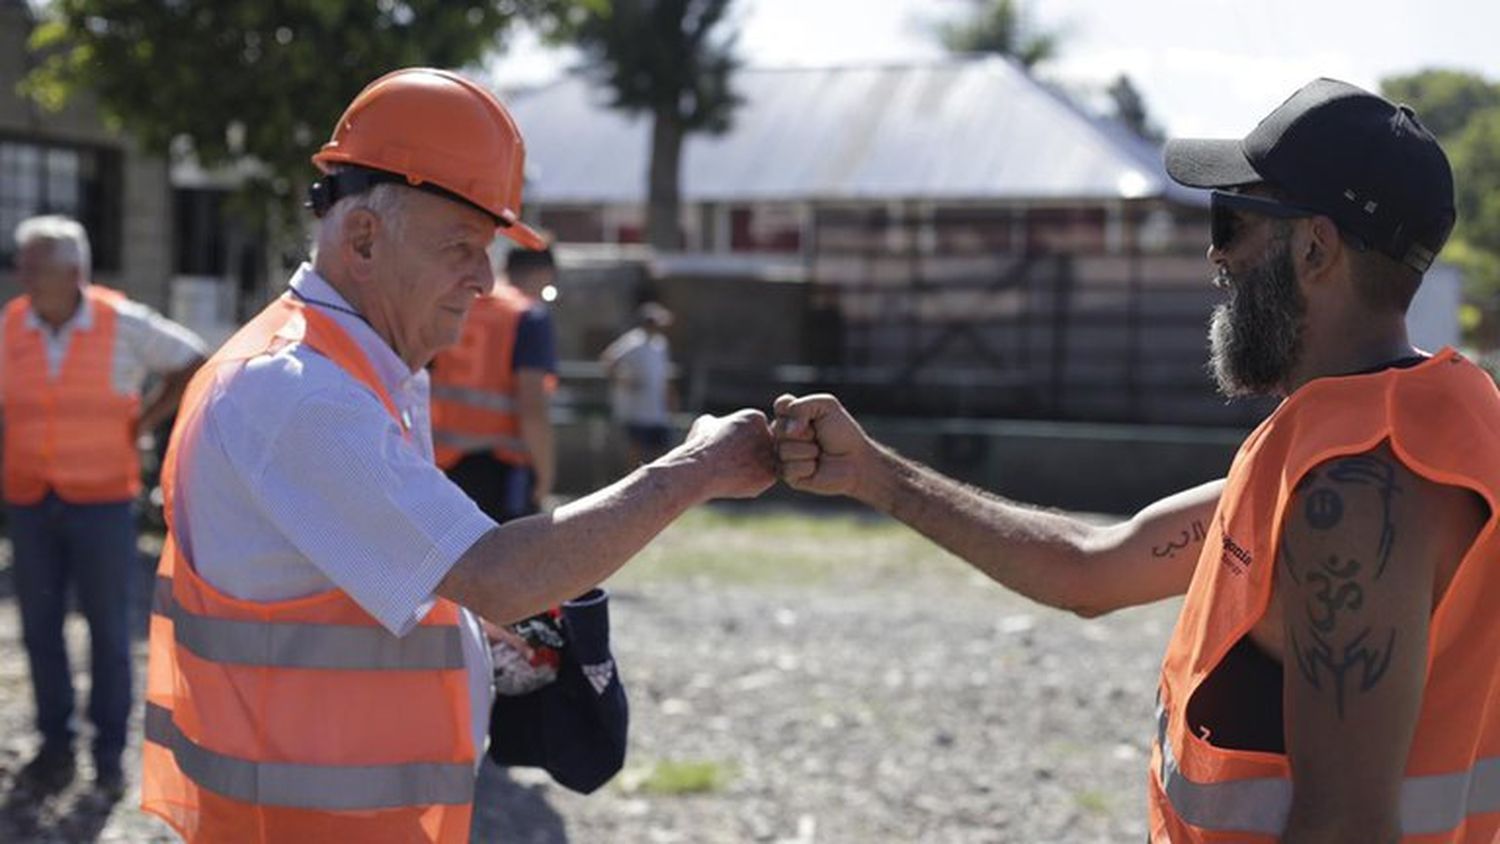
point(1332, 675)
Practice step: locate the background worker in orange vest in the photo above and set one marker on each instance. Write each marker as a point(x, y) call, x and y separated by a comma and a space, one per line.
point(73, 360)
point(1332, 677)
point(492, 394)
point(317, 672)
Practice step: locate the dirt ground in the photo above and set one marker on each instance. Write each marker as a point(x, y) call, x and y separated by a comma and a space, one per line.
point(792, 679)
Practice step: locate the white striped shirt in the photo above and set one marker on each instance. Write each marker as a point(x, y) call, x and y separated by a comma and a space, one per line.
point(146, 343)
point(295, 479)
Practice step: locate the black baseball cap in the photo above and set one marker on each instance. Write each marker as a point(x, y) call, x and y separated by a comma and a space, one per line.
point(1342, 151)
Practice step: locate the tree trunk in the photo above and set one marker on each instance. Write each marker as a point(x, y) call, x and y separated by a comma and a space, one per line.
point(662, 226)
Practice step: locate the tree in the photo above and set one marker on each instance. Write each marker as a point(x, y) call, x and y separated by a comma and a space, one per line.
point(1475, 155)
point(1463, 110)
point(1130, 109)
point(670, 59)
point(1002, 28)
point(241, 78)
point(1445, 100)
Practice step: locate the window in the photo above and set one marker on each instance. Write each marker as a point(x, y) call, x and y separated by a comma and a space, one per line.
point(79, 182)
point(200, 231)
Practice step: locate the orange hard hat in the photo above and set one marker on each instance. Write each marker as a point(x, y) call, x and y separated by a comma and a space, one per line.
point(433, 130)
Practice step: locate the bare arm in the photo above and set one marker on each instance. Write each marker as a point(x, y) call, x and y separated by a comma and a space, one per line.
point(1050, 557)
point(162, 403)
point(526, 566)
point(1362, 540)
point(535, 409)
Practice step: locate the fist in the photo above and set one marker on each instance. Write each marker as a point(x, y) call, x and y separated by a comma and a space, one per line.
point(819, 446)
point(738, 452)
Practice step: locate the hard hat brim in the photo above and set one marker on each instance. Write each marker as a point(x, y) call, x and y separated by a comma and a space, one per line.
point(524, 235)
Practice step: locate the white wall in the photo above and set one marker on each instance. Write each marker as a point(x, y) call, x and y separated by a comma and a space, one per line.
point(1432, 321)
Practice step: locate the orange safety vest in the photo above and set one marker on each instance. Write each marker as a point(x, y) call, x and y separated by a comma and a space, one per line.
point(71, 434)
point(304, 719)
point(1442, 419)
point(474, 385)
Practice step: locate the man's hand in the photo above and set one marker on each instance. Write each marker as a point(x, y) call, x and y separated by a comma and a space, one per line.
point(737, 451)
point(820, 447)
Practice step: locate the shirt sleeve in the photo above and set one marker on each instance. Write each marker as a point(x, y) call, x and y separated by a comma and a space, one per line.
point(161, 345)
point(363, 505)
point(536, 342)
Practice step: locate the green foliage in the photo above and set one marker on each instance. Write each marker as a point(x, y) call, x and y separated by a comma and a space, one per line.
point(1445, 100)
point(671, 59)
point(1475, 154)
point(684, 777)
point(247, 78)
point(1000, 27)
point(1463, 110)
point(662, 57)
point(1130, 109)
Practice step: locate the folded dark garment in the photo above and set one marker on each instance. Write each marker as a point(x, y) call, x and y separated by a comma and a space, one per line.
point(575, 726)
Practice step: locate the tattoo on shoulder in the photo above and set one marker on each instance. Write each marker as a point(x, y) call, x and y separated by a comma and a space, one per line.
point(1191, 535)
point(1355, 666)
point(1334, 647)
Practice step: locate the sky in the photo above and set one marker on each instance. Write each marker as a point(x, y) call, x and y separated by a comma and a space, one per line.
point(1207, 68)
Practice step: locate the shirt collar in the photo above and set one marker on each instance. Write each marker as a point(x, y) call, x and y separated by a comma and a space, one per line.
point(81, 320)
point(393, 372)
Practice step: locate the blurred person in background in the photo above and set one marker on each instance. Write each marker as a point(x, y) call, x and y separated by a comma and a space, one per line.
point(1332, 674)
point(492, 394)
point(317, 670)
point(74, 358)
point(641, 397)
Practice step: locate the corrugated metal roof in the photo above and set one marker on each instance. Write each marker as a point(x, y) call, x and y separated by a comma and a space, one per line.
point(962, 129)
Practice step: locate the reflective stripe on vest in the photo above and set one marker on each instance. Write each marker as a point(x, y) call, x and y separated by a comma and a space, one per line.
point(300, 719)
point(498, 402)
point(1429, 804)
point(292, 645)
point(478, 442)
point(340, 788)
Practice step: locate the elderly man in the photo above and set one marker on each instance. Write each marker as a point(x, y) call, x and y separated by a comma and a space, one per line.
point(1332, 676)
point(315, 672)
point(74, 357)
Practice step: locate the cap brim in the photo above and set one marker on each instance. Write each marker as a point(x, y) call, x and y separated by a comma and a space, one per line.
point(1209, 163)
point(524, 235)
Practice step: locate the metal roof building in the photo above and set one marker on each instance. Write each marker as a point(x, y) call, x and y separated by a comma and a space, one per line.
point(976, 129)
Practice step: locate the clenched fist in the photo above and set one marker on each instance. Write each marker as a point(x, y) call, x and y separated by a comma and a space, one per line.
point(736, 450)
point(819, 446)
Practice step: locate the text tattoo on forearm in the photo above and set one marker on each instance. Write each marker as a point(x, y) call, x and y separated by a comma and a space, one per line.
point(1189, 536)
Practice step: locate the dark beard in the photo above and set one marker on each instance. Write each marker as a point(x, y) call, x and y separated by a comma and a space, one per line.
point(1255, 339)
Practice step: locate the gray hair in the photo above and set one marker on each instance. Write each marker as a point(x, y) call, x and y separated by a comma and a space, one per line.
point(386, 201)
point(65, 236)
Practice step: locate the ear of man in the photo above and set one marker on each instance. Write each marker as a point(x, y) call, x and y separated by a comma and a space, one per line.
point(1318, 251)
point(360, 227)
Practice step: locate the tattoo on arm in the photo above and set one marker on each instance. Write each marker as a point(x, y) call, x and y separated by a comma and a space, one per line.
point(1335, 648)
point(1189, 536)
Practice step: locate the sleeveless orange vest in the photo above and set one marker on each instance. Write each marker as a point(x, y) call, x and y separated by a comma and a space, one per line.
point(1442, 419)
point(474, 385)
point(299, 720)
point(71, 434)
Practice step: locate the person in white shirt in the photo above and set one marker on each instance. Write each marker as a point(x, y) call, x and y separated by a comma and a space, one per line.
point(639, 366)
point(74, 359)
point(294, 478)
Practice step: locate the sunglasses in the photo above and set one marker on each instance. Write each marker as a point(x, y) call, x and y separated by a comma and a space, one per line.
point(1225, 207)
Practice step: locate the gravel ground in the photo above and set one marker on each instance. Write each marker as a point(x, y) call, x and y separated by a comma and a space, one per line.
point(791, 680)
